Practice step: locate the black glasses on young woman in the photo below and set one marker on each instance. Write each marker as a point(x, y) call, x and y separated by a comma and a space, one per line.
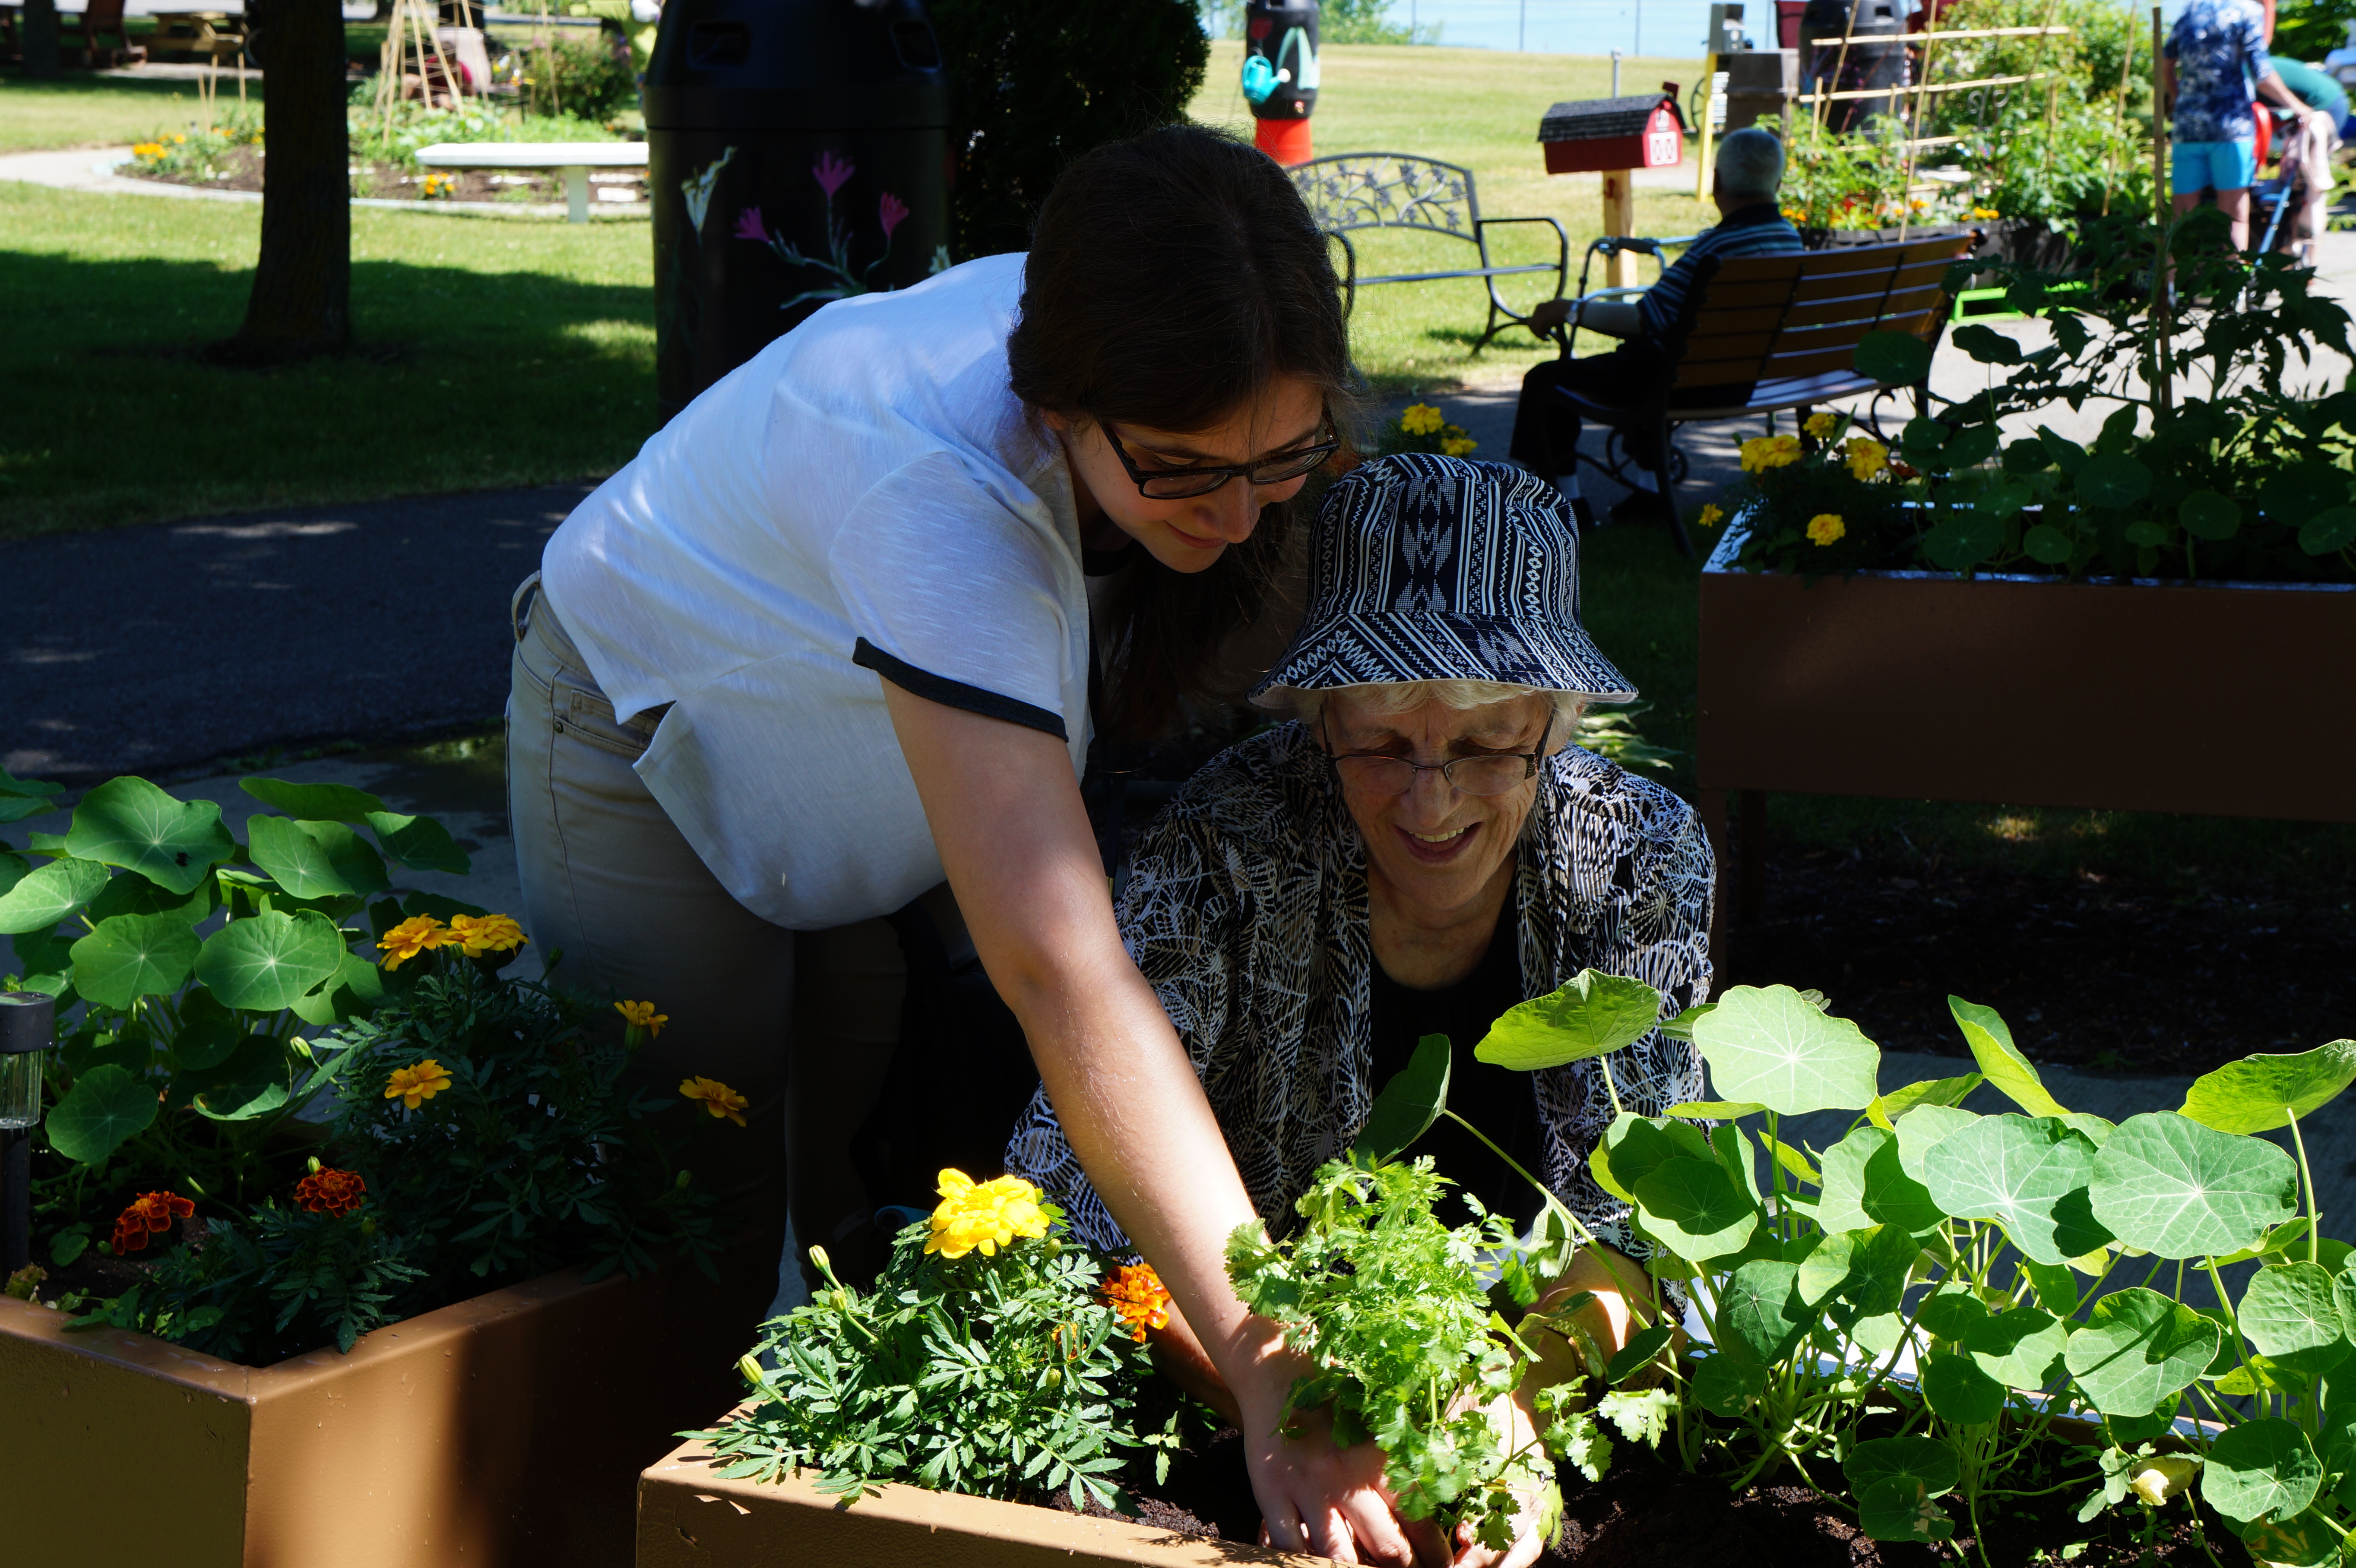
point(1494, 772)
point(1178, 484)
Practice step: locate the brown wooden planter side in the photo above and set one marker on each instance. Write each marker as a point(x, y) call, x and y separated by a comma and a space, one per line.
point(690, 1517)
point(503, 1430)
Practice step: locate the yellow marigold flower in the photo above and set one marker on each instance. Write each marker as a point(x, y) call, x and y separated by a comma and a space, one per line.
point(148, 151)
point(178, 138)
point(418, 934)
point(413, 1087)
point(1420, 419)
point(642, 1015)
point(1826, 527)
point(1711, 516)
point(1821, 425)
point(1139, 1299)
point(1761, 453)
point(985, 1215)
point(716, 1097)
point(1457, 445)
point(480, 933)
point(1866, 457)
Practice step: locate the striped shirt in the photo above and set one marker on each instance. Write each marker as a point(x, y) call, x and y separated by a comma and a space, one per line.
point(1756, 230)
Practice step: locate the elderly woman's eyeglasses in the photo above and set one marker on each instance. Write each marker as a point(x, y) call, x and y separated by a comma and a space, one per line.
point(1178, 484)
point(1493, 774)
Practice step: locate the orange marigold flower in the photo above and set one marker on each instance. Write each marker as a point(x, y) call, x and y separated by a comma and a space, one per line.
point(642, 1015)
point(413, 1087)
point(149, 1212)
point(1138, 1299)
point(418, 934)
point(331, 1191)
point(475, 934)
point(716, 1097)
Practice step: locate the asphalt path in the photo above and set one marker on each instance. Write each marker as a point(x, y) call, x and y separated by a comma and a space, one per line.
point(172, 647)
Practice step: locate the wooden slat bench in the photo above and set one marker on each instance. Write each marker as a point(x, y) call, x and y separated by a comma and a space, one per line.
point(1774, 333)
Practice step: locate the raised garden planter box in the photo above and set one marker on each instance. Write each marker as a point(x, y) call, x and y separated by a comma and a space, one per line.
point(502, 1430)
point(690, 1517)
point(2030, 692)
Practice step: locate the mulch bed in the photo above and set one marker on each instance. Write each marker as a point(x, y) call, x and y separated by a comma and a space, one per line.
point(241, 170)
point(2100, 973)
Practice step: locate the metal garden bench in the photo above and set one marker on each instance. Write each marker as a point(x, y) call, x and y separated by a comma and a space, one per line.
point(1355, 191)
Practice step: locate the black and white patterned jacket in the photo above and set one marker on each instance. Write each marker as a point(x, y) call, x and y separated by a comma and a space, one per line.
point(1245, 909)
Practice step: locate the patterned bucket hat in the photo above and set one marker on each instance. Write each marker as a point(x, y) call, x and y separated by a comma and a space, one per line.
point(1424, 567)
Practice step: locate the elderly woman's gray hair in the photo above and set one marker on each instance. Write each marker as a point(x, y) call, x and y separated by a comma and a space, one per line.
point(1750, 163)
point(1402, 696)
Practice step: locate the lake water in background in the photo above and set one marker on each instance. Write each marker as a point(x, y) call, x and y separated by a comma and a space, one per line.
point(1671, 27)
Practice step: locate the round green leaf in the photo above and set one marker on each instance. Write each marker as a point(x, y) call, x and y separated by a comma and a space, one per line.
point(354, 992)
point(1759, 1313)
point(2178, 1190)
point(1958, 1392)
point(2329, 530)
point(2027, 1175)
point(1591, 1014)
point(2001, 1062)
point(134, 955)
point(2306, 1541)
point(1893, 358)
point(2113, 481)
point(208, 1032)
point(2261, 1092)
point(1775, 1047)
point(131, 893)
point(252, 1079)
point(419, 843)
point(1864, 1185)
point(1632, 1145)
point(2289, 1314)
point(105, 1106)
point(2044, 542)
point(130, 823)
point(313, 801)
point(2138, 1347)
point(264, 963)
point(1714, 1110)
point(49, 893)
point(1724, 1386)
point(2261, 1470)
point(2144, 531)
point(1962, 539)
point(1408, 1103)
point(2206, 515)
point(1922, 1129)
point(2019, 1348)
point(1896, 1481)
point(2303, 489)
point(1878, 1271)
point(1693, 1208)
point(315, 859)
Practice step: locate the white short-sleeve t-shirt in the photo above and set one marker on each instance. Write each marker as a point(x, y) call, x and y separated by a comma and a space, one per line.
point(863, 500)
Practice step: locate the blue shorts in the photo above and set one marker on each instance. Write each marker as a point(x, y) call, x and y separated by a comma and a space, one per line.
point(2222, 165)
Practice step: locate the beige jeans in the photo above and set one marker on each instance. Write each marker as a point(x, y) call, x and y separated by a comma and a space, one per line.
point(803, 1024)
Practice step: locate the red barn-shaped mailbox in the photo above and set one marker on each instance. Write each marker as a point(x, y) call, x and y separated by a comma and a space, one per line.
point(1643, 131)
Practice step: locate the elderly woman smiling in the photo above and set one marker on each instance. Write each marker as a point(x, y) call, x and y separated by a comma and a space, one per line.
point(1420, 849)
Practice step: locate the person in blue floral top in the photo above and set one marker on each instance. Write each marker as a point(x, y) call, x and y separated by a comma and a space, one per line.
point(2214, 59)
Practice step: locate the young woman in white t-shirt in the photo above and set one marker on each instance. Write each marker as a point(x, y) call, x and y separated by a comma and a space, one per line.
point(825, 642)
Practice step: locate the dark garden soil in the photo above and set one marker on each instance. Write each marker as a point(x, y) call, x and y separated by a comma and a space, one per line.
point(241, 170)
point(2100, 973)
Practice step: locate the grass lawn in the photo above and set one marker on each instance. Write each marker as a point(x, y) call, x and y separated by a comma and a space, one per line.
point(81, 110)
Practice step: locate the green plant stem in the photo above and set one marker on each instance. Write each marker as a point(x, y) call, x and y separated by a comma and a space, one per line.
point(2306, 1176)
point(1579, 1225)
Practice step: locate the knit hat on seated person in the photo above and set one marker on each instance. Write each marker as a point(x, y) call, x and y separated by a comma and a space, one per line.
point(1427, 568)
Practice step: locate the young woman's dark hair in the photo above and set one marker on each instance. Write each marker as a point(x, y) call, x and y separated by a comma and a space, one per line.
point(1171, 278)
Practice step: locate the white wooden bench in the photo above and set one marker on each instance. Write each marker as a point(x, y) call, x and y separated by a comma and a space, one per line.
point(575, 158)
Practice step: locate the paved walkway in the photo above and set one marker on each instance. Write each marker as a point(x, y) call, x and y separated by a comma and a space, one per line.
point(92, 169)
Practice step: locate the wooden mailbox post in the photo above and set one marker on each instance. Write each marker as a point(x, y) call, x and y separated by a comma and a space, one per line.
point(1614, 137)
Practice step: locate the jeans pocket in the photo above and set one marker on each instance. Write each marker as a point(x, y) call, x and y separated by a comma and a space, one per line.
point(583, 711)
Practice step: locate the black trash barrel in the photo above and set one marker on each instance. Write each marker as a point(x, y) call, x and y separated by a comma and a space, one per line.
point(797, 153)
point(1869, 63)
point(1280, 70)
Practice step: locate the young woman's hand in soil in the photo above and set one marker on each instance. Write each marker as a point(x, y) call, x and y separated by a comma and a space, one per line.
point(1317, 1496)
point(1521, 1431)
point(1624, 1304)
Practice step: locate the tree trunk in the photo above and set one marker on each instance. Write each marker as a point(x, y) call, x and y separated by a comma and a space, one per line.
point(40, 23)
point(302, 295)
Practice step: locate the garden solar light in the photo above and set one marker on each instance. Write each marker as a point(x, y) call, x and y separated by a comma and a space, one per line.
point(27, 1024)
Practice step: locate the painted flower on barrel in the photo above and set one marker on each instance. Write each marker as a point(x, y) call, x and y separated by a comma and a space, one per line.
point(748, 225)
point(413, 1087)
point(1866, 457)
point(832, 172)
point(715, 1097)
point(1761, 453)
point(418, 934)
point(983, 1216)
point(327, 1191)
point(1139, 1299)
point(891, 212)
point(149, 1213)
point(476, 934)
point(1826, 527)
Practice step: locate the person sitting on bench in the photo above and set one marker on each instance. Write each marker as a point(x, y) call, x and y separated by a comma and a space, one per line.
point(1749, 170)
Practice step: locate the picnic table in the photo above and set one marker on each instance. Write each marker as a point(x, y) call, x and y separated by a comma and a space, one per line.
point(218, 36)
point(575, 158)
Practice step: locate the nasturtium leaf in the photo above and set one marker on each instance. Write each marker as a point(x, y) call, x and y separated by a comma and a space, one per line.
point(1734, 1152)
point(2338, 1441)
point(2174, 1187)
point(315, 859)
point(1632, 1145)
point(2138, 1347)
point(250, 1081)
point(1713, 1110)
point(208, 1032)
point(2001, 1060)
point(2056, 1288)
point(2255, 1375)
point(2206, 515)
point(2027, 1175)
point(1879, 1270)
point(1950, 1313)
point(132, 955)
point(1640, 1349)
point(132, 1048)
point(1971, 446)
point(2027, 456)
point(313, 801)
point(419, 843)
point(2263, 1469)
point(2327, 531)
point(1760, 1314)
point(2343, 1296)
point(1897, 1482)
point(1791, 1159)
point(2044, 543)
point(1880, 1334)
point(1725, 1386)
point(1985, 345)
point(2302, 489)
point(1922, 1130)
point(264, 963)
point(2020, 1348)
point(2113, 481)
point(2096, 1130)
point(130, 823)
point(1958, 1392)
point(27, 789)
point(2261, 1092)
point(353, 991)
point(2288, 1313)
point(2279, 1240)
point(105, 1106)
point(2131, 1431)
point(1893, 358)
point(1889, 1110)
point(1962, 539)
point(1773, 1047)
point(1864, 1185)
point(128, 892)
point(1591, 1014)
point(1405, 1107)
point(2145, 531)
point(2305, 1540)
point(1827, 1264)
point(1693, 1208)
point(49, 893)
